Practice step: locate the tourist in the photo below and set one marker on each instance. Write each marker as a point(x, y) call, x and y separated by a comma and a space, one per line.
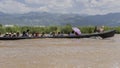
point(72, 33)
point(33, 34)
point(96, 29)
point(6, 35)
point(26, 33)
point(43, 34)
point(14, 35)
point(100, 29)
point(37, 34)
point(59, 34)
point(52, 34)
point(17, 34)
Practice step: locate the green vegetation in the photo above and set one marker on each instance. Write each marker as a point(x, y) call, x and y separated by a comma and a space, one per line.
point(64, 29)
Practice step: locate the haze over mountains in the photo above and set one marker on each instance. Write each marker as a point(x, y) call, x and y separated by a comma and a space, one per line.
point(46, 19)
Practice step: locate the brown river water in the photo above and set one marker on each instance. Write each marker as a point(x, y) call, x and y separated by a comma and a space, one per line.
point(61, 53)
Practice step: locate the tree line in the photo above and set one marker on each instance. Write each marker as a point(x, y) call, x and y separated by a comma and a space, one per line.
point(47, 29)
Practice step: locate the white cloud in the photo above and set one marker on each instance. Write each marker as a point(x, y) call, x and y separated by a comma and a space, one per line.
point(100, 6)
point(62, 6)
point(11, 6)
point(37, 1)
point(43, 9)
point(52, 5)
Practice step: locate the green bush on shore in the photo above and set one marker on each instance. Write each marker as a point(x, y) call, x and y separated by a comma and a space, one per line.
point(48, 29)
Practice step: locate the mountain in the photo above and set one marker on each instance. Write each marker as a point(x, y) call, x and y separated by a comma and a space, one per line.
point(46, 19)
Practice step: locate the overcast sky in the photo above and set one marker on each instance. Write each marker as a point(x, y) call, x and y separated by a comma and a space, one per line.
point(91, 7)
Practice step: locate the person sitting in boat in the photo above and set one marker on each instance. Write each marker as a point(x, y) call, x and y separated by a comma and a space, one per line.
point(76, 31)
point(33, 34)
point(72, 33)
point(14, 35)
point(17, 34)
point(10, 34)
point(77, 34)
point(59, 34)
point(7, 35)
point(96, 29)
point(43, 34)
point(25, 33)
point(36, 34)
point(52, 34)
point(100, 29)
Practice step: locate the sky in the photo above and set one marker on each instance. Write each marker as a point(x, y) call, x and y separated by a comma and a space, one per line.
point(90, 7)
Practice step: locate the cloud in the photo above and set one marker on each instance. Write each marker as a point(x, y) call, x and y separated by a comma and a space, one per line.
point(11, 6)
point(52, 5)
point(94, 7)
point(91, 7)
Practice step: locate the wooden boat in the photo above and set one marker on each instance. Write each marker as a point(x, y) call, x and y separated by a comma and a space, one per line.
point(104, 34)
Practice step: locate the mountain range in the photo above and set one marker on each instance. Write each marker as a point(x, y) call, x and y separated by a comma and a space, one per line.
point(46, 19)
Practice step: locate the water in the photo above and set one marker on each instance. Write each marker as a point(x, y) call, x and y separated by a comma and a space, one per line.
point(61, 53)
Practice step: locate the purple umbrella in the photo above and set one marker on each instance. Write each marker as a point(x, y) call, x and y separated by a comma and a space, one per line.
point(75, 29)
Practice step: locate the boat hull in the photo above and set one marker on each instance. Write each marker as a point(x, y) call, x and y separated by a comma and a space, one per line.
point(105, 34)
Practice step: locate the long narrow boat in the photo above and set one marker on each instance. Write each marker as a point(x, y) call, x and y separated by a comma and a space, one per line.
point(104, 34)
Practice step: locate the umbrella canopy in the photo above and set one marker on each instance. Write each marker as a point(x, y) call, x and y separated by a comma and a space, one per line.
point(75, 29)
